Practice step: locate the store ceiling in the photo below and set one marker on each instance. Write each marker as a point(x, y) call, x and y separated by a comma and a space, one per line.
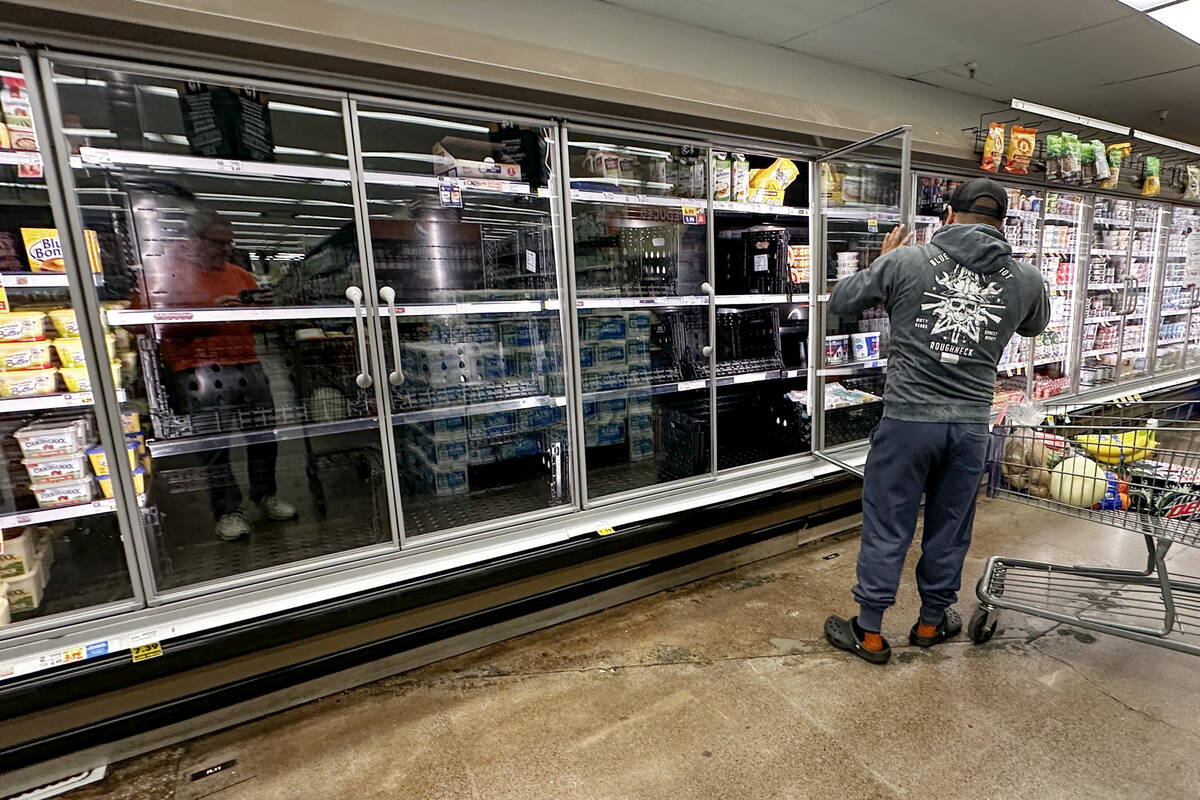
point(1095, 57)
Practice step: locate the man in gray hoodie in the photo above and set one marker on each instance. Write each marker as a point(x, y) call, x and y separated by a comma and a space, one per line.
point(953, 304)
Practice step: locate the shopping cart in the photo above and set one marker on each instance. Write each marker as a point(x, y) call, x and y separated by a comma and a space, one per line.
point(1144, 458)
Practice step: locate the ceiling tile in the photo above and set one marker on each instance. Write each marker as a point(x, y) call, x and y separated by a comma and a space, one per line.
point(1123, 49)
point(768, 21)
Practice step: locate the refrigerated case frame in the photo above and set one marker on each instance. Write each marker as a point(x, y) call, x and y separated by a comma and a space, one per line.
point(212, 605)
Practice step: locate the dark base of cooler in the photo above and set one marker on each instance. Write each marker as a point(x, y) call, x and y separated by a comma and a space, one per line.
point(213, 670)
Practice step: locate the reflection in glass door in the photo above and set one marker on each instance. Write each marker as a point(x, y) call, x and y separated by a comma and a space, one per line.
point(225, 227)
point(462, 245)
point(640, 238)
point(1179, 329)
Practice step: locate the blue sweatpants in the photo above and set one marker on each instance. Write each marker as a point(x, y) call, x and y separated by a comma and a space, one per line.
point(943, 460)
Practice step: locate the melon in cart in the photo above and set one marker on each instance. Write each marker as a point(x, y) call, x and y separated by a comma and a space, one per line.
point(1078, 482)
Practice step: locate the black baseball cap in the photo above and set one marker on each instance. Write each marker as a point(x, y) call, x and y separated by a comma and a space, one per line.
point(963, 198)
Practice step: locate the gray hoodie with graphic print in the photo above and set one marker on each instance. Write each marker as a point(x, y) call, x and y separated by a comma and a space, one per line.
point(954, 304)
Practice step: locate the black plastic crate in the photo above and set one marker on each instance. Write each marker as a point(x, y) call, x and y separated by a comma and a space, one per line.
point(681, 441)
point(754, 261)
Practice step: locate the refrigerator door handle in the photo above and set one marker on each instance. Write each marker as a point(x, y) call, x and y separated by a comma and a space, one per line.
point(355, 296)
point(708, 289)
point(388, 295)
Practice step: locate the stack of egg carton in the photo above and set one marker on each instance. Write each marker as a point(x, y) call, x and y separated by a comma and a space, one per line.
point(24, 570)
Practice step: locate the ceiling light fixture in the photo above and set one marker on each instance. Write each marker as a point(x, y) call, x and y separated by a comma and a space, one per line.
point(1069, 116)
point(1165, 142)
point(1183, 18)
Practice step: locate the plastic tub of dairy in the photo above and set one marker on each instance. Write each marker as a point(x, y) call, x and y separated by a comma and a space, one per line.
point(77, 379)
point(64, 321)
point(25, 593)
point(100, 458)
point(42, 439)
point(67, 493)
point(24, 355)
point(56, 469)
point(139, 482)
point(20, 553)
point(22, 326)
point(70, 350)
point(28, 382)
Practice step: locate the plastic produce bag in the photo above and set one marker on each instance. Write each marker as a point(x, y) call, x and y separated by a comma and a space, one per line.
point(1072, 150)
point(1151, 183)
point(1192, 191)
point(1020, 150)
point(993, 148)
point(1087, 163)
point(1054, 154)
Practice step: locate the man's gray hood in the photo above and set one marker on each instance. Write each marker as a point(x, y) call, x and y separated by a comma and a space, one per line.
point(979, 248)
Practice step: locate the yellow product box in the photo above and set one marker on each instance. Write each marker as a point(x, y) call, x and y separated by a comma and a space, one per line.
point(45, 253)
point(16, 356)
point(139, 482)
point(131, 422)
point(99, 458)
point(28, 382)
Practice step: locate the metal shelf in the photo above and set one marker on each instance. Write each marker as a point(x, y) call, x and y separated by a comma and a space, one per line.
point(759, 208)
point(43, 515)
point(639, 302)
point(654, 389)
point(1104, 251)
point(759, 299)
point(49, 402)
point(1023, 214)
point(1104, 351)
point(1067, 219)
point(39, 280)
point(588, 196)
point(1174, 312)
point(222, 441)
point(854, 366)
point(463, 309)
point(129, 316)
point(467, 184)
point(475, 409)
point(1105, 287)
point(105, 158)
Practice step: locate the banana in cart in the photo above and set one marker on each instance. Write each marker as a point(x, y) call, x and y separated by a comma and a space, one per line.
point(1127, 447)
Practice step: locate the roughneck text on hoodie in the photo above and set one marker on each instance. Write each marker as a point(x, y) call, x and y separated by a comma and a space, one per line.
point(953, 304)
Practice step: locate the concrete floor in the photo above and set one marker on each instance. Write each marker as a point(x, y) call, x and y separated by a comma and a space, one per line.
point(726, 688)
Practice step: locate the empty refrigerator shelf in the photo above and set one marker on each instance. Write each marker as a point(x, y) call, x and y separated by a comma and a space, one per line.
point(759, 208)
point(852, 367)
point(221, 441)
point(468, 184)
point(40, 516)
point(90, 157)
point(444, 412)
point(39, 280)
point(759, 299)
point(51, 401)
point(639, 302)
point(432, 513)
point(175, 316)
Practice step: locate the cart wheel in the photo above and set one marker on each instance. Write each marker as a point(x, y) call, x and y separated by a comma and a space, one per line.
point(979, 628)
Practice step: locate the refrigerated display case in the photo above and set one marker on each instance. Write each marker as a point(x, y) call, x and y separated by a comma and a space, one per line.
point(1180, 296)
point(1054, 349)
point(63, 558)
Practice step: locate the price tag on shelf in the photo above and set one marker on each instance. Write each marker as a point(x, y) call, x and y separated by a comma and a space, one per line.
point(95, 155)
point(145, 652)
point(73, 654)
point(750, 378)
point(609, 196)
point(229, 165)
point(688, 386)
point(873, 225)
point(450, 193)
point(692, 215)
point(4, 306)
point(530, 261)
point(605, 531)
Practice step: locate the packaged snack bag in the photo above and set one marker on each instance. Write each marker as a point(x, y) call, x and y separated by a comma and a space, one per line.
point(1072, 168)
point(741, 178)
point(993, 148)
point(1151, 183)
point(1116, 154)
point(1087, 163)
point(1101, 160)
point(1020, 150)
point(1192, 192)
point(778, 176)
point(1054, 154)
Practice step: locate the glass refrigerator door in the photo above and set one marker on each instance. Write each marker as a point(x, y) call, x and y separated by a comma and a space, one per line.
point(1111, 293)
point(1021, 227)
point(465, 262)
point(63, 555)
point(1053, 360)
point(1180, 333)
point(1145, 267)
point(226, 236)
point(861, 201)
point(763, 263)
point(640, 239)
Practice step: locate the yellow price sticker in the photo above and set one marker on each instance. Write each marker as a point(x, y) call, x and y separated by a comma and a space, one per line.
point(144, 652)
point(4, 306)
point(605, 531)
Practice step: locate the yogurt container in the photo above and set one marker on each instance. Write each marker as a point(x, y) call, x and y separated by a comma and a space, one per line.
point(865, 345)
point(67, 493)
point(837, 349)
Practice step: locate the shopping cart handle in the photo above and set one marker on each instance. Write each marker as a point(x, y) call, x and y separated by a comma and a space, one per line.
point(853, 470)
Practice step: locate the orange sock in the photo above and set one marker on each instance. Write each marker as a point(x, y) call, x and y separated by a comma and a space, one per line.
point(872, 641)
point(927, 631)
